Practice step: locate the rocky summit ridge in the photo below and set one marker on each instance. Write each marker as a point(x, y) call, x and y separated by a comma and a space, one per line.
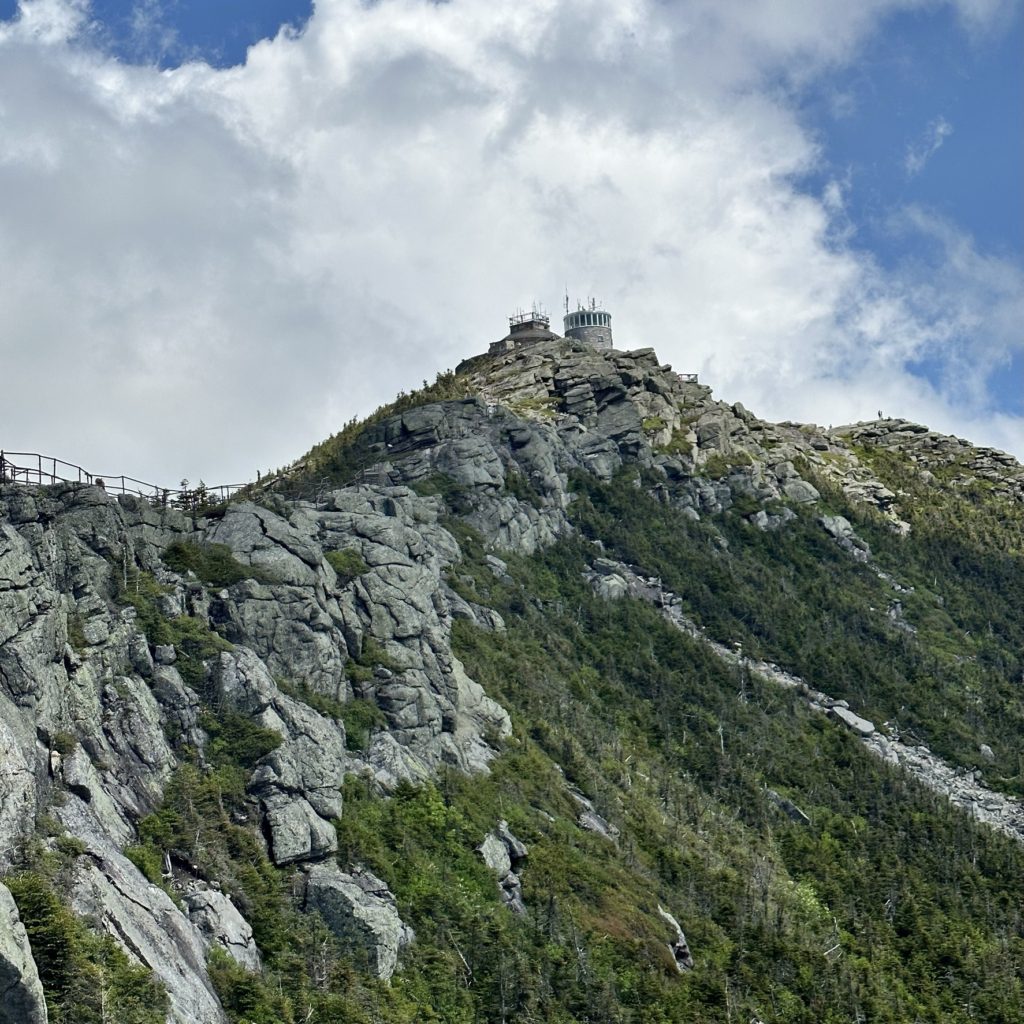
point(316, 617)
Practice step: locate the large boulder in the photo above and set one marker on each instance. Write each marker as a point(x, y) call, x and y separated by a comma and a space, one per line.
point(678, 946)
point(853, 722)
point(361, 911)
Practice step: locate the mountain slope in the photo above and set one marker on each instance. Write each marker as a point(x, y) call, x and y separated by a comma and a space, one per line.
point(463, 715)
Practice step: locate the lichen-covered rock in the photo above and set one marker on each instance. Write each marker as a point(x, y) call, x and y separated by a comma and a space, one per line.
point(361, 911)
point(17, 780)
point(269, 542)
point(21, 992)
point(57, 574)
point(399, 605)
point(221, 924)
point(298, 784)
point(109, 891)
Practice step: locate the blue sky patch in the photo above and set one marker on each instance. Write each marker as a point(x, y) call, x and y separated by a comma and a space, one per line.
point(171, 32)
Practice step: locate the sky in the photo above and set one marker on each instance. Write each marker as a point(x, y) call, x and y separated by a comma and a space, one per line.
point(228, 228)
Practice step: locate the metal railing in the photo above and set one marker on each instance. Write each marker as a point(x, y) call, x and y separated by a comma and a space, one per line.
point(33, 469)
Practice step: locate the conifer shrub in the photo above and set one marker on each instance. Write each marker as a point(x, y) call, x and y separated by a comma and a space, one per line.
point(213, 564)
point(347, 564)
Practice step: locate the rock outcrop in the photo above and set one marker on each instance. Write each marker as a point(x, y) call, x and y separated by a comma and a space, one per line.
point(94, 710)
point(110, 892)
point(678, 946)
point(220, 923)
point(505, 855)
point(114, 657)
point(21, 993)
point(361, 911)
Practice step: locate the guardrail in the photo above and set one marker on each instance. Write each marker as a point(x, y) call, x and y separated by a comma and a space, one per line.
point(33, 469)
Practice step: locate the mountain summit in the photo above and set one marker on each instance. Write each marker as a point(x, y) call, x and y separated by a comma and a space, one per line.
point(556, 691)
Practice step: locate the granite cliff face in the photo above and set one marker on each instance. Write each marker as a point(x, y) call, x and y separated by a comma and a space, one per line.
point(345, 596)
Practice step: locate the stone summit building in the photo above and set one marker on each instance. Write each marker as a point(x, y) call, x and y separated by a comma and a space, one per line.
point(588, 324)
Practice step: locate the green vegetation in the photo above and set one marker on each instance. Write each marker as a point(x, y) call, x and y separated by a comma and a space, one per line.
point(76, 632)
point(890, 905)
point(347, 563)
point(362, 718)
point(213, 564)
point(64, 743)
point(792, 596)
point(193, 640)
point(235, 739)
point(679, 443)
point(455, 496)
point(535, 408)
point(787, 922)
point(86, 977)
point(338, 460)
point(718, 465)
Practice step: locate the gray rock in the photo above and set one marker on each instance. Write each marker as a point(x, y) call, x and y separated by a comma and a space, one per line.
point(297, 832)
point(855, 723)
point(21, 992)
point(589, 818)
point(495, 855)
point(109, 891)
point(505, 855)
point(299, 783)
point(221, 924)
point(141, 659)
point(165, 655)
point(800, 491)
point(845, 536)
point(268, 542)
point(611, 588)
point(838, 526)
point(95, 631)
point(17, 780)
point(678, 946)
point(361, 911)
point(388, 763)
point(497, 566)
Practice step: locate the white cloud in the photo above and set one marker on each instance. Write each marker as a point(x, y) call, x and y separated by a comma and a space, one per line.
point(48, 21)
point(204, 272)
point(922, 149)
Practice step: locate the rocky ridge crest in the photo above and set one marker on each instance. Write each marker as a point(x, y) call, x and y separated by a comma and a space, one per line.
point(95, 716)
